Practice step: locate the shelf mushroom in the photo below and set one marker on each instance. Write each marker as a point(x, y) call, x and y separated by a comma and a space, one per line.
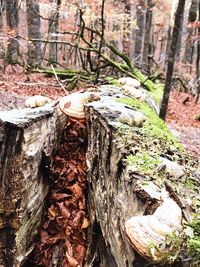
point(148, 234)
point(36, 101)
point(73, 105)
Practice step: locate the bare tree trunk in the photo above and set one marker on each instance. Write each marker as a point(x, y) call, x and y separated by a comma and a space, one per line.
point(179, 44)
point(148, 42)
point(33, 22)
point(188, 54)
point(198, 61)
point(2, 50)
point(1, 13)
point(12, 17)
point(171, 58)
point(53, 27)
point(139, 33)
point(126, 27)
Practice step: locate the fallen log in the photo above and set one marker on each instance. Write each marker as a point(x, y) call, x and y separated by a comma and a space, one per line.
point(136, 169)
point(129, 164)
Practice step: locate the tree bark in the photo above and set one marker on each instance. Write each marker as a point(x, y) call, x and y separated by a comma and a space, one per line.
point(33, 22)
point(171, 58)
point(27, 139)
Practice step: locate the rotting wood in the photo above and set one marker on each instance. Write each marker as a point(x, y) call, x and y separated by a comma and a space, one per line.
point(27, 138)
point(119, 190)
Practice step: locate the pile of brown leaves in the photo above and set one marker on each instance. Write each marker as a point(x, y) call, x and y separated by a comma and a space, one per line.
point(63, 233)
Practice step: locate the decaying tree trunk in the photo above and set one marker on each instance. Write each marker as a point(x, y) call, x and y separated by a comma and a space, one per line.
point(125, 179)
point(27, 139)
point(117, 190)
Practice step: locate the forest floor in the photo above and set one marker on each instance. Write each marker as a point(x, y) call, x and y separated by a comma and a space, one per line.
point(181, 118)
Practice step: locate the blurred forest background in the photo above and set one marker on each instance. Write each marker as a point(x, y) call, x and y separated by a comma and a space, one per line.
point(41, 33)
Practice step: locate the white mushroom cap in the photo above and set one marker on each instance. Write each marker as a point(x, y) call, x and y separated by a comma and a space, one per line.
point(150, 231)
point(73, 105)
point(36, 101)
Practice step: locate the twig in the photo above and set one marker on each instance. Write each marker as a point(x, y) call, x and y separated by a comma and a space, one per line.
point(38, 84)
point(58, 79)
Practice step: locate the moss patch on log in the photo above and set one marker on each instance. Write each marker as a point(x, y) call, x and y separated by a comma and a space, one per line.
point(153, 127)
point(143, 162)
point(193, 237)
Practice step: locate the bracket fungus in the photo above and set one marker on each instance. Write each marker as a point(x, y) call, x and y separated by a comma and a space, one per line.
point(73, 105)
point(133, 92)
point(149, 234)
point(36, 101)
point(129, 81)
point(132, 118)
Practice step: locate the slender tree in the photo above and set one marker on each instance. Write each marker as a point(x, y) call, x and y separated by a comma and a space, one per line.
point(12, 18)
point(189, 48)
point(127, 27)
point(148, 36)
point(198, 59)
point(53, 28)
point(139, 33)
point(171, 58)
point(1, 13)
point(33, 22)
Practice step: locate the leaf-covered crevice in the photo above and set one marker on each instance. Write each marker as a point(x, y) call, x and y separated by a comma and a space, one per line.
point(62, 239)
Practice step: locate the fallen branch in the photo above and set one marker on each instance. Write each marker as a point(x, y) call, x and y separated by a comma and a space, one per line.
point(39, 84)
point(62, 86)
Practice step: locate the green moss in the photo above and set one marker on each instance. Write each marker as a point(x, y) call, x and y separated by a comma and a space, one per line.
point(112, 81)
point(154, 126)
point(194, 241)
point(190, 183)
point(157, 93)
point(144, 162)
point(170, 248)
